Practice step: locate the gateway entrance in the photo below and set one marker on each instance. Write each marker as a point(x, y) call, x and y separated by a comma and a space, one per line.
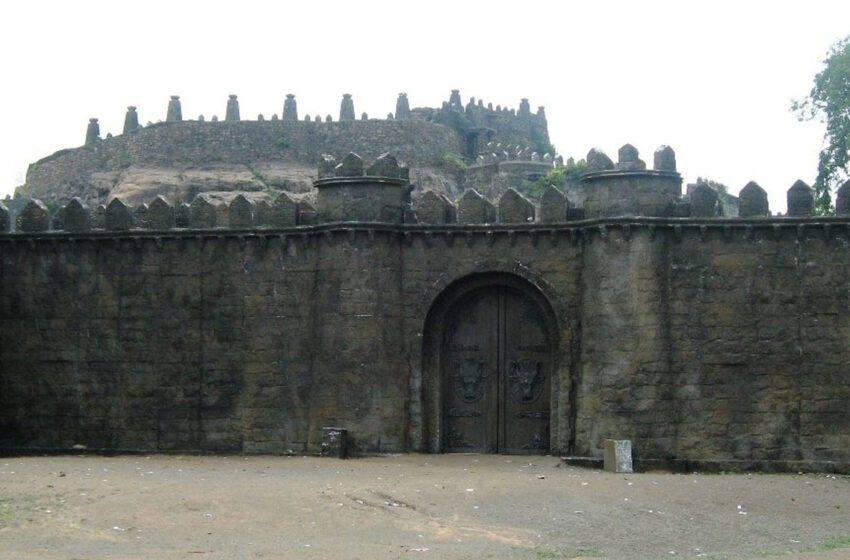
point(496, 365)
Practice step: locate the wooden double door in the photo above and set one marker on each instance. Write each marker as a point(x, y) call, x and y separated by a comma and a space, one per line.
point(496, 374)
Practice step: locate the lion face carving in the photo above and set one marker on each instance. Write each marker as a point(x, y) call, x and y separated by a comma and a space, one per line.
point(525, 380)
point(469, 377)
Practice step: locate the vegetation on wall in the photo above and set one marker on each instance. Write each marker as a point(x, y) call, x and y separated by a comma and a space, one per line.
point(558, 176)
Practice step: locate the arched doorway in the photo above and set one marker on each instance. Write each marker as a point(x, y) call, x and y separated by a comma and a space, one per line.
point(491, 352)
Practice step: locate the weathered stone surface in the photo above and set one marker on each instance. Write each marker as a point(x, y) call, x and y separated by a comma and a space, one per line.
point(231, 113)
point(704, 202)
point(307, 215)
point(752, 201)
point(472, 208)
point(5, 219)
point(241, 212)
point(515, 208)
point(203, 214)
point(618, 456)
point(351, 166)
point(402, 107)
point(629, 160)
point(385, 166)
point(327, 166)
point(140, 216)
point(119, 216)
point(33, 217)
point(92, 133)
point(262, 214)
point(76, 216)
point(553, 205)
point(175, 112)
point(131, 120)
point(290, 109)
point(284, 211)
point(182, 215)
point(801, 199)
point(665, 159)
point(597, 160)
point(434, 208)
point(842, 199)
point(346, 108)
point(160, 214)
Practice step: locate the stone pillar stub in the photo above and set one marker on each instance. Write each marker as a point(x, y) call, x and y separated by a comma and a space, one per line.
point(618, 455)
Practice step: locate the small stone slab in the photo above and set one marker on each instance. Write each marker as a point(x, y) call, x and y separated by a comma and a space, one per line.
point(385, 166)
point(327, 166)
point(553, 205)
point(704, 202)
point(752, 201)
point(842, 199)
point(515, 208)
point(241, 212)
point(5, 221)
point(284, 211)
point(801, 199)
point(629, 159)
point(33, 217)
point(665, 159)
point(618, 455)
point(160, 214)
point(597, 160)
point(202, 213)
point(472, 208)
point(351, 166)
point(76, 216)
point(434, 208)
point(181, 215)
point(119, 216)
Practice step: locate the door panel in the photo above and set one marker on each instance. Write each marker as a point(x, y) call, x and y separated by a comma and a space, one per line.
point(496, 369)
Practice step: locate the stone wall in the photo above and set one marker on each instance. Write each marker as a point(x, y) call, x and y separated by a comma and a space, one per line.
point(69, 173)
point(706, 342)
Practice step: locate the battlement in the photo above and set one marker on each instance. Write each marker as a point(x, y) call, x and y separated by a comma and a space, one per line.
point(349, 191)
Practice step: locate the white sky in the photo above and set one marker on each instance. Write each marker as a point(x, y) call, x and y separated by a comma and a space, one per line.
point(714, 80)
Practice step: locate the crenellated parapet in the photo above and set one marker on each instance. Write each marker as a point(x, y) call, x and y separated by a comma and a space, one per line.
point(350, 190)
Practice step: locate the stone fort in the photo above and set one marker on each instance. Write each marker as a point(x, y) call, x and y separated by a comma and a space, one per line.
point(288, 275)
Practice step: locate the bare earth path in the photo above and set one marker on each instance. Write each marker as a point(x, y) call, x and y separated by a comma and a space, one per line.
point(408, 506)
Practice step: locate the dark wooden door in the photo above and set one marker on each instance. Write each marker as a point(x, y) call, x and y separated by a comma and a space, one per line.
point(497, 362)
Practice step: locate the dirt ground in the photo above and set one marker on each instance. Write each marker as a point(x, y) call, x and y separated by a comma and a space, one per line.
point(408, 506)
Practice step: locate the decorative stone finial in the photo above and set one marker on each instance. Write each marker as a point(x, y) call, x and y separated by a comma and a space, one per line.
point(665, 159)
point(752, 201)
point(801, 199)
point(402, 107)
point(842, 199)
point(175, 112)
point(704, 202)
point(131, 120)
point(629, 160)
point(92, 133)
point(597, 160)
point(290, 108)
point(232, 112)
point(524, 108)
point(346, 108)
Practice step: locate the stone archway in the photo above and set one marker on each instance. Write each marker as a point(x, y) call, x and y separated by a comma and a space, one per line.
point(489, 365)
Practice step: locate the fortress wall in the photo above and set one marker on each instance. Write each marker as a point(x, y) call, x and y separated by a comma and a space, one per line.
point(725, 342)
point(761, 342)
point(59, 177)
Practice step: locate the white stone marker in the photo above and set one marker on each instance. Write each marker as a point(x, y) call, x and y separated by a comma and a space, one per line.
point(618, 455)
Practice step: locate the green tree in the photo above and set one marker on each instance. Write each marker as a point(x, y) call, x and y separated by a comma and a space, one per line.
point(829, 101)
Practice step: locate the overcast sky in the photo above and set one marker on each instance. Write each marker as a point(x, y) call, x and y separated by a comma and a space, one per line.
point(714, 80)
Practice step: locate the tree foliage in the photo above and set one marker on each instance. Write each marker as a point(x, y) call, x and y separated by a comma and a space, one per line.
point(558, 176)
point(829, 101)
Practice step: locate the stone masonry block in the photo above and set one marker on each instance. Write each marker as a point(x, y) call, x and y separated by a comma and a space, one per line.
point(618, 455)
